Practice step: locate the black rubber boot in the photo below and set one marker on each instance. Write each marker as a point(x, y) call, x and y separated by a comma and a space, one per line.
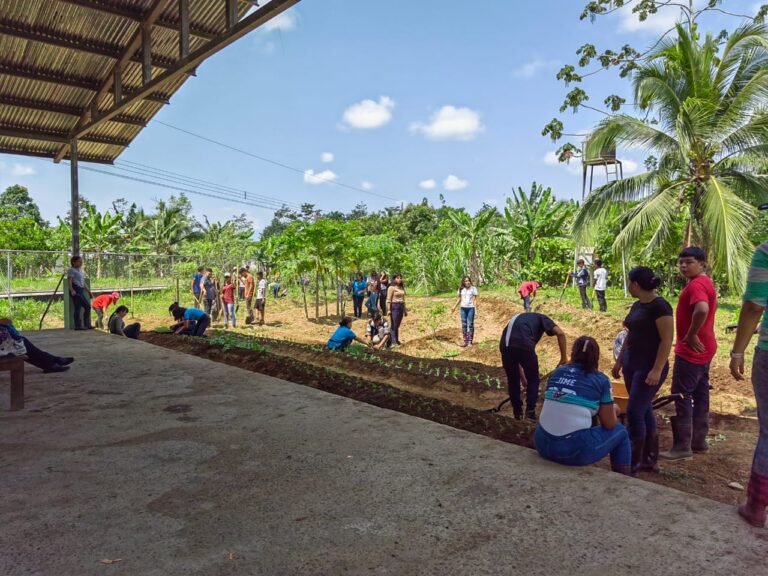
point(700, 432)
point(650, 462)
point(681, 440)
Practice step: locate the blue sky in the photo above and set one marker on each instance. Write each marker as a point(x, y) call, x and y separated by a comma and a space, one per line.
point(405, 99)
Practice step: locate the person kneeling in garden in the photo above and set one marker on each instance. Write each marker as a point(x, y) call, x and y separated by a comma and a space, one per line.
point(378, 332)
point(190, 321)
point(576, 393)
point(116, 324)
point(343, 336)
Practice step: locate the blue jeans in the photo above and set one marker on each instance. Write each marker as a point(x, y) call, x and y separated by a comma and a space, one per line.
point(760, 385)
point(527, 303)
point(82, 308)
point(585, 447)
point(640, 417)
point(468, 320)
point(229, 313)
point(396, 311)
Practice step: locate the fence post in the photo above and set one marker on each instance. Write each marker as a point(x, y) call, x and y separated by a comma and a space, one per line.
point(130, 279)
point(9, 272)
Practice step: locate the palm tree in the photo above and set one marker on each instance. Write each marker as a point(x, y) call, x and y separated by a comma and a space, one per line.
point(711, 140)
point(100, 232)
point(531, 218)
point(472, 231)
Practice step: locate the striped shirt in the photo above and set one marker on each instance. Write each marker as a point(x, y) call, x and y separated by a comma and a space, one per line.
point(757, 289)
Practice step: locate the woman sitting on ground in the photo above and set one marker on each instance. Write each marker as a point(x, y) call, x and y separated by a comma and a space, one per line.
point(378, 332)
point(190, 321)
point(116, 324)
point(343, 337)
point(576, 393)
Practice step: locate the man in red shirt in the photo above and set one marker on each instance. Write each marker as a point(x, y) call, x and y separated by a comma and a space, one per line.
point(527, 292)
point(695, 347)
point(101, 303)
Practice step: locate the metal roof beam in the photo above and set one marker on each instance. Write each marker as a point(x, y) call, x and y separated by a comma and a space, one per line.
point(84, 45)
point(39, 154)
point(184, 65)
point(58, 137)
point(141, 38)
point(123, 12)
point(44, 106)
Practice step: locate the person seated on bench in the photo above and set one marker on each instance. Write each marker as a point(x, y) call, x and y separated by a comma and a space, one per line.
point(344, 336)
point(116, 324)
point(46, 362)
point(575, 394)
point(186, 317)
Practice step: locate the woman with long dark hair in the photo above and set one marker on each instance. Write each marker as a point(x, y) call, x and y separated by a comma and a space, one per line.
point(468, 300)
point(358, 294)
point(396, 306)
point(191, 321)
point(644, 359)
point(576, 393)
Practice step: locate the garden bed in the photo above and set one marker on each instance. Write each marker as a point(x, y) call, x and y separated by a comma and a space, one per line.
point(457, 398)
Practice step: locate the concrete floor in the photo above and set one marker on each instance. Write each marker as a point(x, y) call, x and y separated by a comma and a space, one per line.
point(180, 466)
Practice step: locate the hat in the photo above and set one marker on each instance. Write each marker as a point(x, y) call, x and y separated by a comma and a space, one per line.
point(227, 274)
point(763, 207)
point(116, 295)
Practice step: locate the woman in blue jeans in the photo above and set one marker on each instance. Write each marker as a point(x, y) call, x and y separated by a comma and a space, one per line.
point(576, 393)
point(644, 360)
point(468, 300)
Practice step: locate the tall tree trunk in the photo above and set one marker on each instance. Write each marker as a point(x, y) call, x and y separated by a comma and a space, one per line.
point(98, 265)
point(304, 296)
point(325, 295)
point(317, 295)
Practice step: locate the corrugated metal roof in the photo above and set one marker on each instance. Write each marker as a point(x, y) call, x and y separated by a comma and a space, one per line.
point(56, 55)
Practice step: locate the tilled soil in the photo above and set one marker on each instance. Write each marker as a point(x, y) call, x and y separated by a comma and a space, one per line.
point(460, 398)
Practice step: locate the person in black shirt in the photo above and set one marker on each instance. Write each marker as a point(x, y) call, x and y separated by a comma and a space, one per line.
point(582, 281)
point(518, 353)
point(644, 360)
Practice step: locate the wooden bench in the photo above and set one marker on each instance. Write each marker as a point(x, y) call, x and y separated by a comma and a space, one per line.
point(15, 365)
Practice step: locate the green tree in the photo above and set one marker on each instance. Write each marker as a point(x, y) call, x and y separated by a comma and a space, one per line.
point(100, 233)
point(15, 202)
point(472, 232)
point(711, 140)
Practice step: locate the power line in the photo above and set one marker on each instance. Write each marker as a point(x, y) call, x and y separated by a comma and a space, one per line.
point(273, 162)
point(273, 205)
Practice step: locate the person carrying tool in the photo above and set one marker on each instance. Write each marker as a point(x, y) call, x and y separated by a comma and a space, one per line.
point(576, 393)
point(527, 292)
point(518, 353)
point(643, 358)
point(753, 308)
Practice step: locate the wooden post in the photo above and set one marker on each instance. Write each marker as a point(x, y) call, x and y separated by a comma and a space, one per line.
point(74, 197)
point(183, 29)
point(17, 383)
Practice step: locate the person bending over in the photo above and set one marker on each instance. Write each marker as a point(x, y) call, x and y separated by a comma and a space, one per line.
point(100, 305)
point(576, 393)
point(14, 344)
point(343, 336)
point(527, 292)
point(518, 356)
point(191, 321)
point(379, 332)
point(117, 325)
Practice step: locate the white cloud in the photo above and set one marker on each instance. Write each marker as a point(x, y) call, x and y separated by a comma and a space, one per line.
point(22, 170)
point(453, 183)
point(530, 69)
point(427, 184)
point(323, 177)
point(451, 123)
point(369, 114)
point(285, 22)
point(365, 185)
point(630, 166)
point(327, 157)
point(657, 23)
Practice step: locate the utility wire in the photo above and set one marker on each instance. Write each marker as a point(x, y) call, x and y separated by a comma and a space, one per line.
point(270, 161)
point(273, 205)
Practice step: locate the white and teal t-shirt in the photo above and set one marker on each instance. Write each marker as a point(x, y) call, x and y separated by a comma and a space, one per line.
point(573, 397)
point(757, 289)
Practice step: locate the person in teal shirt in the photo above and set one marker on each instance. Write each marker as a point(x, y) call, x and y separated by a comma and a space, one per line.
point(192, 321)
point(343, 336)
point(359, 288)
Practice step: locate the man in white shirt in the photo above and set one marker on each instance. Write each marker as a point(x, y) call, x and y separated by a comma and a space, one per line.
point(261, 296)
point(601, 283)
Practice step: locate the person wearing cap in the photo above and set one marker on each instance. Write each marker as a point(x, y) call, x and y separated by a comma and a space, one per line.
point(101, 303)
point(582, 281)
point(228, 299)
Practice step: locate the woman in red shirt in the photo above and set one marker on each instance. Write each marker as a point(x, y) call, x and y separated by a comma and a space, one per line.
point(101, 303)
point(228, 299)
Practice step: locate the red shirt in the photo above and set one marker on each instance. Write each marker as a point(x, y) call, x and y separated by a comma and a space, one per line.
point(700, 289)
point(102, 302)
point(228, 293)
point(528, 288)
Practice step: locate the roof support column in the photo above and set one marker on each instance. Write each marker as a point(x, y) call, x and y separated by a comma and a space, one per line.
point(183, 28)
point(75, 198)
point(231, 8)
